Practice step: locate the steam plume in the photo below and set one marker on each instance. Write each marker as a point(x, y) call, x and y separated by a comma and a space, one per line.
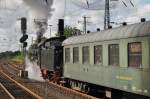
point(39, 9)
point(39, 13)
point(33, 70)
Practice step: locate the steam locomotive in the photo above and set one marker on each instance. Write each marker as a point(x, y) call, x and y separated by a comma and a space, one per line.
point(114, 63)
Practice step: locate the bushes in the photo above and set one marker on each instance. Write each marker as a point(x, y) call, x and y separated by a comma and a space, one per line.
point(16, 56)
point(19, 57)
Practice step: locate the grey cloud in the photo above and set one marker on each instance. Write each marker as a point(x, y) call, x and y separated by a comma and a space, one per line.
point(72, 15)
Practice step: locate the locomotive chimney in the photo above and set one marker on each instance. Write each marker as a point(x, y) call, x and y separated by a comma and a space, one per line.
point(61, 27)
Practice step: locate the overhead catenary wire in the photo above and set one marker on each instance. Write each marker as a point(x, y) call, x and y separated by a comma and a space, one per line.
point(83, 7)
point(124, 4)
point(95, 5)
point(89, 5)
point(77, 11)
point(87, 2)
point(131, 3)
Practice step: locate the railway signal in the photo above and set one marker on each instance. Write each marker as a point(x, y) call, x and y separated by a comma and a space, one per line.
point(23, 30)
point(23, 25)
point(24, 73)
point(23, 38)
point(25, 44)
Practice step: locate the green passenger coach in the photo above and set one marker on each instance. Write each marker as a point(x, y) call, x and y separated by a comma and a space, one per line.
point(114, 62)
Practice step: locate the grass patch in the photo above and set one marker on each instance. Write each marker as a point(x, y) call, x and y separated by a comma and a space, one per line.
point(19, 57)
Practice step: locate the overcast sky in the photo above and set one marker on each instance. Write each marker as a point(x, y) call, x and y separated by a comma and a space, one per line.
point(71, 10)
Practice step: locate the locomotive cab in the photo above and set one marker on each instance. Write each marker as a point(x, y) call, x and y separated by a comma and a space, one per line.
point(51, 56)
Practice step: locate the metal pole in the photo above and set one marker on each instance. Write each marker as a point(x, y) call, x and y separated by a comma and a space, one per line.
point(24, 73)
point(85, 24)
point(107, 15)
point(40, 56)
point(50, 30)
point(24, 52)
point(32, 40)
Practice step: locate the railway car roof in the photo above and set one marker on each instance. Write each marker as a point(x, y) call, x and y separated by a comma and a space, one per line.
point(42, 43)
point(129, 31)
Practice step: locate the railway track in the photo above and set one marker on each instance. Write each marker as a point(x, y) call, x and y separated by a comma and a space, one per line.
point(47, 90)
point(13, 90)
point(6, 67)
point(3, 92)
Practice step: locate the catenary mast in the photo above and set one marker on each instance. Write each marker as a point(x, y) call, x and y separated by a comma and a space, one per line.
point(107, 15)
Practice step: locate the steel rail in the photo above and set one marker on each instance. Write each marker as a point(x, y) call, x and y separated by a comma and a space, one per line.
point(21, 86)
point(7, 92)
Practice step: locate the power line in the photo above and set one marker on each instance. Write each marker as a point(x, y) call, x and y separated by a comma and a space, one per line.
point(84, 23)
point(106, 8)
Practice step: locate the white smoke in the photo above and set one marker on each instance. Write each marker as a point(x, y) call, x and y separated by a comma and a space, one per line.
point(33, 70)
point(39, 12)
point(40, 27)
point(40, 9)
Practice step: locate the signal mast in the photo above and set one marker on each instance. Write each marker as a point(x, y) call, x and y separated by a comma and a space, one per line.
point(107, 15)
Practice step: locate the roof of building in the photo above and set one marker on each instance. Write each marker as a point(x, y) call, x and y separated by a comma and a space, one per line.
point(129, 31)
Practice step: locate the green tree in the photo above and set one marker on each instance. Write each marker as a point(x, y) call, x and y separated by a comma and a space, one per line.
point(71, 31)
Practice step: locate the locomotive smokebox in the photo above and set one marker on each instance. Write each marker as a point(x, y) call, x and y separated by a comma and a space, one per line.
point(61, 27)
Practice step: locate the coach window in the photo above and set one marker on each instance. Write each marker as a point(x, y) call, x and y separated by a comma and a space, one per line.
point(114, 55)
point(75, 55)
point(67, 55)
point(98, 54)
point(86, 57)
point(135, 54)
